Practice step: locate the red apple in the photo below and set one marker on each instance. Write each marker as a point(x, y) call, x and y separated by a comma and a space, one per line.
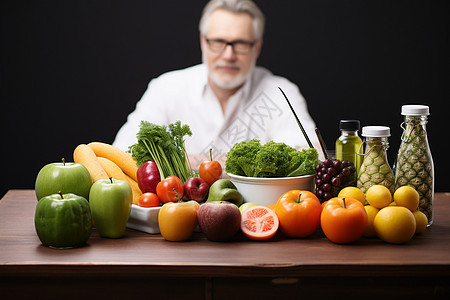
point(196, 188)
point(148, 177)
point(219, 220)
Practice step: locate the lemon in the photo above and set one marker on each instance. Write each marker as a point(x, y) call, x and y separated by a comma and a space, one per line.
point(408, 197)
point(378, 196)
point(395, 224)
point(371, 213)
point(421, 221)
point(353, 192)
point(247, 205)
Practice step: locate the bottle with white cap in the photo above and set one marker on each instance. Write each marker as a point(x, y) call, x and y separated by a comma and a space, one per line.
point(414, 166)
point(375, 168)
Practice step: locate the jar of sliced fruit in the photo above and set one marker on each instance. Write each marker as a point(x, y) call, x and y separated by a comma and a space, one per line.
point(414, 165)
point(375, 168)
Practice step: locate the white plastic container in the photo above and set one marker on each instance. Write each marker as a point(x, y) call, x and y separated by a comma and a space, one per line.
point(144, 219)
point(266, 191)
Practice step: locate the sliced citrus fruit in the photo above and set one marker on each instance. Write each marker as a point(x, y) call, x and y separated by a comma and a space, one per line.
point(259, 223)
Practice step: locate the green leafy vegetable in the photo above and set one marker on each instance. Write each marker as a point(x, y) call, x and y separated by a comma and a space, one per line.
point(250, 158)
point(165, 146)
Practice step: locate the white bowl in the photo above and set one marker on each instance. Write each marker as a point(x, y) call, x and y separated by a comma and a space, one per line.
point(266, 191)
point(144, 219)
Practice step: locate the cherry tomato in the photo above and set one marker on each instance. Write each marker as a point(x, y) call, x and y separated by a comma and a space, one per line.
point(299, 213)
point(177, 221)
point(170, 189)
point(149, 199)
point(210, 170)
point(343, 220)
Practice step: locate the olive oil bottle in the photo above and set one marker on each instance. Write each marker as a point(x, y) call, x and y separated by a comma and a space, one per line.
point(348, 144)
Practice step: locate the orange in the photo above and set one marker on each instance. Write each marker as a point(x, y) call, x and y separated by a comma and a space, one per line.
point(379, 196)
point(371, 213)
point(395, 224)
point(353, 192)
point(259, 223)
point(272, 206)
point(421, 221)
point(408, 197)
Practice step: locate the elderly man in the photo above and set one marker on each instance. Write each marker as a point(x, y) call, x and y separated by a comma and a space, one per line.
point(226, 99)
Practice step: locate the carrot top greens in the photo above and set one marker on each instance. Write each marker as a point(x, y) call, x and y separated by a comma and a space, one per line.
point(165, 146)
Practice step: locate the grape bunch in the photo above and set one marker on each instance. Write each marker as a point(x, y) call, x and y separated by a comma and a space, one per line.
point(332, 176)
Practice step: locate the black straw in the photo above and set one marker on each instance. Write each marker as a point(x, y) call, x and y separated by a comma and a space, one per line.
point(322, 144)
point(298, 121)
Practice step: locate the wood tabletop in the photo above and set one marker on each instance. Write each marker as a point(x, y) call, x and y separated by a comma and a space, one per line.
point(21, 252)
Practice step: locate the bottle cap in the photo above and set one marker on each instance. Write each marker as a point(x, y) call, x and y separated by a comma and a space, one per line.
point(415, 110)
point(376, 131)
point(352, 125)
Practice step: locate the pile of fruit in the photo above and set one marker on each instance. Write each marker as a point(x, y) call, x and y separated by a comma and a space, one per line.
point(100, 187)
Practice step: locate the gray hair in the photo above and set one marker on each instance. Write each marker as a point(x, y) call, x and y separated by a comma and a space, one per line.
point(234, 6)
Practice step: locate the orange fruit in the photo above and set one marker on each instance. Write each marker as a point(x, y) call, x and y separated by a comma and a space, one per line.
point(371, 213)
point(408, 197)
point(395, 224)
point(353, 192)
point(272, 206)
point(379, 196)
point(421, 221)
point(259, 223)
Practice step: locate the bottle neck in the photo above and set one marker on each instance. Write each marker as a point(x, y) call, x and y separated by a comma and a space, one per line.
point(414, 120)
point(349, 132)
point(381, 143)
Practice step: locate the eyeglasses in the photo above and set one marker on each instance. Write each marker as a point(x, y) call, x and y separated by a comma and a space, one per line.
point(239, 47)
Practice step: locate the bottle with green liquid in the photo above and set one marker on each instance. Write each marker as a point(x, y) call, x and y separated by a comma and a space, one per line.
point(349, 142)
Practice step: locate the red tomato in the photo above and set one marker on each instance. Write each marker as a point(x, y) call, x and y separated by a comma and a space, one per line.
point(210, 170)
point(343, 220)
point(149, 199)
point(299, 213)
point(170, 189)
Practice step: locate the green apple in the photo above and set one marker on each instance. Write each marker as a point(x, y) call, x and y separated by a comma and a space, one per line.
point(225, 190)
point(246, 205)
point(110, 201)
point(63, 221)
point(65, 177)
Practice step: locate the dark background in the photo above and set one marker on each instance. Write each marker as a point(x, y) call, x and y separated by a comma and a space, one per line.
point(71, 71)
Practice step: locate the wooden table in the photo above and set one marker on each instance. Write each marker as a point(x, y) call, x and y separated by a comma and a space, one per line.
point(145, 264)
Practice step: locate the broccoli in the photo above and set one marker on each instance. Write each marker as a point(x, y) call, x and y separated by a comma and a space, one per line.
point(250, 158)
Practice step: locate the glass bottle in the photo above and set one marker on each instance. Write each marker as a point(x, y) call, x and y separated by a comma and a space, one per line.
point(349, 142)
point(375, 168)
point(414, 165)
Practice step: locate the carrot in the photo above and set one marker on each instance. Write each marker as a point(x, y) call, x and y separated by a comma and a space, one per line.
point(84, 155)
point(121, 158)
point(114, 171)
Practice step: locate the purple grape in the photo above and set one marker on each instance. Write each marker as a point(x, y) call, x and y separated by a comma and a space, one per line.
point(332, 171)
point(318, 167)
point(336, 181)
point(340, 176)
point(319, 193)
point(319, 182)
point(337, 164)
point(326, 177)
point(319, 174)
point(346, 172)
point(328, 162)
point(327, 196)
point(346, 163)
point(326, 187)
point(324, 170)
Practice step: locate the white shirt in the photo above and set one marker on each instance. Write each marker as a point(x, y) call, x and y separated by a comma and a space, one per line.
point(256, 111)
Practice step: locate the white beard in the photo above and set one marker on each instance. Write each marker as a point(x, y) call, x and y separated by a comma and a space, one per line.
point(228, 83)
